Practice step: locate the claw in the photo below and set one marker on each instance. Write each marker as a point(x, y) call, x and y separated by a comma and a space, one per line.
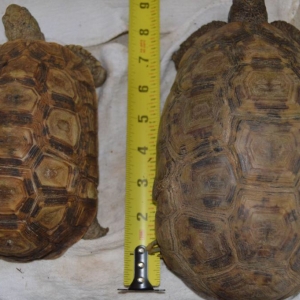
point(153, 247)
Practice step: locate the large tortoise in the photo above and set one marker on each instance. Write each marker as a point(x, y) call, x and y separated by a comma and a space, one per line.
point(48, 142)
point(228, 165)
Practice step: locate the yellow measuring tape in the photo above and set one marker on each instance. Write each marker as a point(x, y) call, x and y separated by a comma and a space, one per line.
point(142, 271)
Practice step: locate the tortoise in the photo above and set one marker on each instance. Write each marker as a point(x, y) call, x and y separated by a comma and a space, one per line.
point(228, 159)
point(48, 142)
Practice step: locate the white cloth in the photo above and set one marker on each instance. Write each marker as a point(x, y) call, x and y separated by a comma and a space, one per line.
point(94, 269)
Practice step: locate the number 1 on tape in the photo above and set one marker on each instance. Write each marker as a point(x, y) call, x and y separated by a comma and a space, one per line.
point(141, 271)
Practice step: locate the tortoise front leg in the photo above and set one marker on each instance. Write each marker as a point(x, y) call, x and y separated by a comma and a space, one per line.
point(288, 29)
point(98, 72)
point(192, 39)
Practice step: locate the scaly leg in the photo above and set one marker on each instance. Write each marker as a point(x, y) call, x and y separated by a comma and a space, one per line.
point(98, 72)
point(192, 38)
point(95, 231)
point(288, 29)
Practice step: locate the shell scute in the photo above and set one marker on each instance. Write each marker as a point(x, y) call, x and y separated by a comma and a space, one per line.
point(212, 182)
point(262, 157)
point(204, 243)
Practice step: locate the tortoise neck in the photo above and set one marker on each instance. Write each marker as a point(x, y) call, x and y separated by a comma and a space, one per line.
point(252, 11)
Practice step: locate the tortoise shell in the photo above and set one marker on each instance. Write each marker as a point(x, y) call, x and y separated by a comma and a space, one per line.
point(48, 149)
point(228, 165)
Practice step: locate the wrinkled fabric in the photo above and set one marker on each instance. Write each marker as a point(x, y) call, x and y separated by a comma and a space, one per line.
point(94, 269)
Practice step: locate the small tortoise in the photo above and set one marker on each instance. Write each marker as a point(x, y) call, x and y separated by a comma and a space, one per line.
point(228, 165)
point(48, 142)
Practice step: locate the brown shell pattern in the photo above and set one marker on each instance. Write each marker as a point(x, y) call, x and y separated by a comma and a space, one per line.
point(48, 150)
point(228, 168)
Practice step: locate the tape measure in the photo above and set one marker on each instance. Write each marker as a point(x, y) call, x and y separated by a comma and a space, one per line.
point(142, 271)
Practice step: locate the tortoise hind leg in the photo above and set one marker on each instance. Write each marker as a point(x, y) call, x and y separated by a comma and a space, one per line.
point(98, 72)
point(288, 29)
point(192, 38)
point(95, 231)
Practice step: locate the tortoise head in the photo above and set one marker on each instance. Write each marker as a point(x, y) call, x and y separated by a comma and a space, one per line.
point(20, 24)
point(253, 11)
